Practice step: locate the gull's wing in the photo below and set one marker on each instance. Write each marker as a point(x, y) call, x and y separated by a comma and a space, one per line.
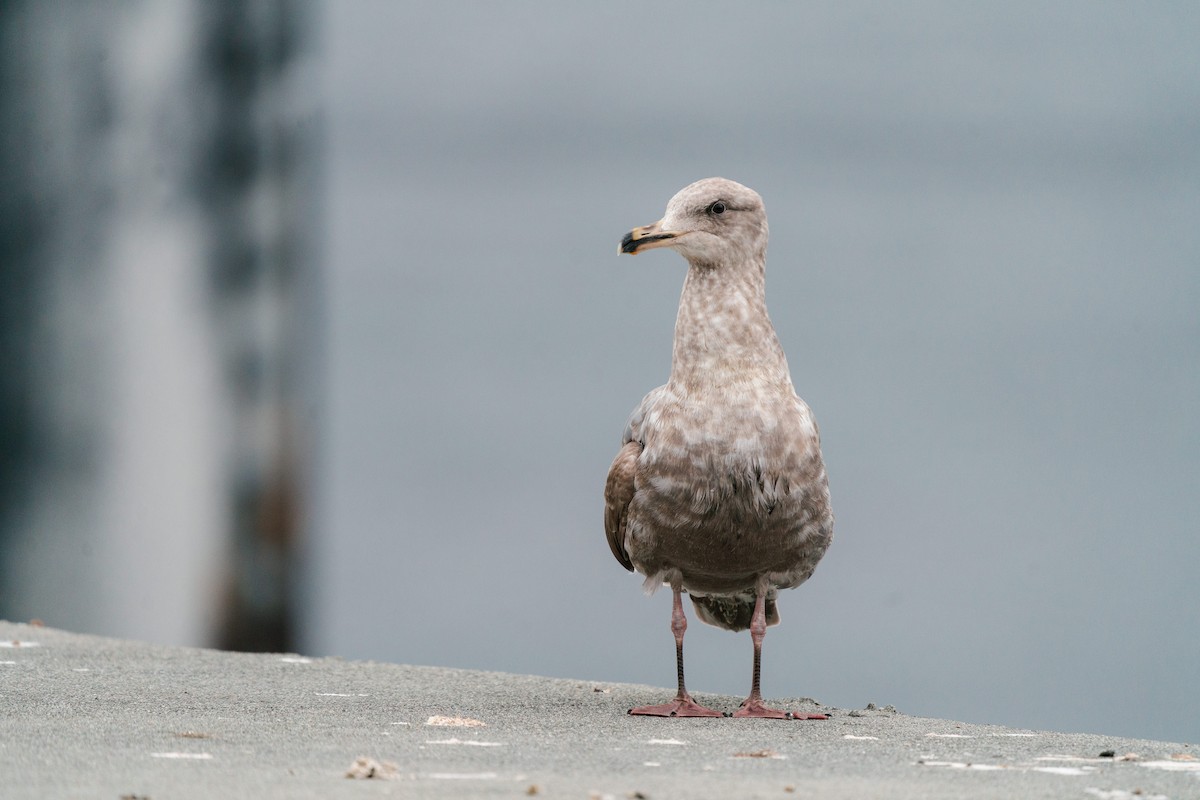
point(618, 492)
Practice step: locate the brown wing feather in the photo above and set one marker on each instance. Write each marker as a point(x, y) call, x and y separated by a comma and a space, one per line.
point(618, 492)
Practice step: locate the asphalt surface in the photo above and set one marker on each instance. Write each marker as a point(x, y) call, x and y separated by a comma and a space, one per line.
point(89, 717)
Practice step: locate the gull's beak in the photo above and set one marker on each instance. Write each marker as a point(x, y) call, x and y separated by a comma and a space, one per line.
point(646, 237)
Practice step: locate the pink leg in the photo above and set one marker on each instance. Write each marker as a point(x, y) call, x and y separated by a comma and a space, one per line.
point(683, 705)
point(753, 706)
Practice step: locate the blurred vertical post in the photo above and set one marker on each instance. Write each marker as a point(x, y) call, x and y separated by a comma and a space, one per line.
point(160, 318)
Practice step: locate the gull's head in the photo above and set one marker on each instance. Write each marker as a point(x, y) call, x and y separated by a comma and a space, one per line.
point(711, 222)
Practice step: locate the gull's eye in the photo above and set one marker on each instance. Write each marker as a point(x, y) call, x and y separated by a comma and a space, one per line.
point(717, 208)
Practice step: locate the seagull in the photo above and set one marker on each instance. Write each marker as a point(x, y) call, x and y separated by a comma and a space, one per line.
point(719, 489)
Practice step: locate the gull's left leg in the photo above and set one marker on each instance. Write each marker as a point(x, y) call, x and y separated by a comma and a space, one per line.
point(753, 706)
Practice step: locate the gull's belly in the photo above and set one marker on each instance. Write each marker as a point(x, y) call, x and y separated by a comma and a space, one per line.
point(723, 532)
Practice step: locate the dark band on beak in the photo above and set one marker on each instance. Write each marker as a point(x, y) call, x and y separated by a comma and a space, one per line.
point(631, 243)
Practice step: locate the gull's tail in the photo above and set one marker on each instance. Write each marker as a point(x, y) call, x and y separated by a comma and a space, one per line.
point(731, 613)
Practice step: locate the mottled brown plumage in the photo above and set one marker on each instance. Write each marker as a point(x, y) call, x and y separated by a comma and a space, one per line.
point(719, 488)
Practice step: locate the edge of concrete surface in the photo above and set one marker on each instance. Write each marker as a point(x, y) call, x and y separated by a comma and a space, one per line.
point(88, 716)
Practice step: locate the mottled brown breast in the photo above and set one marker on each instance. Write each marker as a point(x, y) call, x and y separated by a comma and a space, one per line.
point(742, 499)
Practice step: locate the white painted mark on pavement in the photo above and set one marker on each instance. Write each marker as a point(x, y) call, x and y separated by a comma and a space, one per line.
point(455, 722)
point(1121, 794)
point(196, 756)
point(960, 765)
point(1173, 766)
point(1065, 770)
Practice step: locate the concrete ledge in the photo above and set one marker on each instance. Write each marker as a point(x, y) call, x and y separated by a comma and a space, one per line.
point(89, 717)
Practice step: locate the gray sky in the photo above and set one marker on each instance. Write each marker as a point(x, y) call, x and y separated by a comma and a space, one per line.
point(984, 267)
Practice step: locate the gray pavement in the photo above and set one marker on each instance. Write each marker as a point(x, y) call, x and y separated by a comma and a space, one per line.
point(89, 717)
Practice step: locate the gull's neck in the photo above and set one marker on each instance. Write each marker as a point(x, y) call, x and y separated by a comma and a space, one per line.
point(722, 332)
